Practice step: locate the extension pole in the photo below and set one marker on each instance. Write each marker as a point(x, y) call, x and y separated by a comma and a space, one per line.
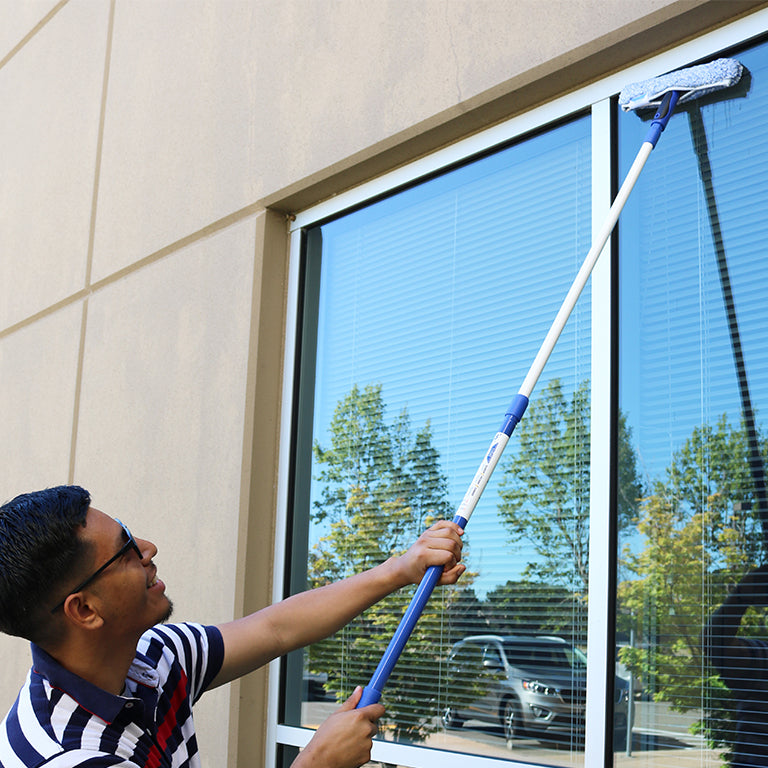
point(372, 692)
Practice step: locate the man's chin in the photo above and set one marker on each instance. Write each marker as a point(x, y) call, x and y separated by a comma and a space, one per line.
point(168, 613)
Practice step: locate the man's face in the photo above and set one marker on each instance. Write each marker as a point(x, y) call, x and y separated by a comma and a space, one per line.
point(131, 598)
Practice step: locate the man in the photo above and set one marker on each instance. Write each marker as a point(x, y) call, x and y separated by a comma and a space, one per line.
point(111, 685)
point(742, 663)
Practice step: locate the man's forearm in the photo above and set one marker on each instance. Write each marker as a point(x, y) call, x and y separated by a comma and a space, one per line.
point(305, 618)
point(310, 616)
point(300, 620)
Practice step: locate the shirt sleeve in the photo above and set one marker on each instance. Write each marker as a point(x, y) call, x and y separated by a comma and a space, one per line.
point(197, 648)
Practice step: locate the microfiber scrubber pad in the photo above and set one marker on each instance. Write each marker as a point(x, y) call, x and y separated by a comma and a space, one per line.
point(692, 83)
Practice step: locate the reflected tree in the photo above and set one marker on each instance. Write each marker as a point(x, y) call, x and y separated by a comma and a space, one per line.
point(529, 607)
point(700, 534)
point(545, 487)
point(380, 485)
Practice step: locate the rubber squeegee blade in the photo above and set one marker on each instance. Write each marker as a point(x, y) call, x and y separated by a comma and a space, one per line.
point(691, 83)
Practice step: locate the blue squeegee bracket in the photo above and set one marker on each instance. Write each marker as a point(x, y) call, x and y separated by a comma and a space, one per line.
point(662, 116)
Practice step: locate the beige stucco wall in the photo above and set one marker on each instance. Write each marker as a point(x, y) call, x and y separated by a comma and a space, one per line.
point(142, 279)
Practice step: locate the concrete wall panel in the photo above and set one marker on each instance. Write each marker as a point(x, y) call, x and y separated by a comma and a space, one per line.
point(51, 94)
point(160, 436)
point(214, 106)
point(37, 398)
point(20, 19)
point(181, 148)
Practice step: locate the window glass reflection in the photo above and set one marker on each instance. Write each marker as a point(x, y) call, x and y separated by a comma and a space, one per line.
point(694, 393)
point(430, 307)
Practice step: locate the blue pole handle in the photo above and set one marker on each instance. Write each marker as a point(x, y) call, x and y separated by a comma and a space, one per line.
point(661, 118)
point(372, 691)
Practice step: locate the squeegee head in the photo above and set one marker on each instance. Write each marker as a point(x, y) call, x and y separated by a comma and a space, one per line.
point(690, 83)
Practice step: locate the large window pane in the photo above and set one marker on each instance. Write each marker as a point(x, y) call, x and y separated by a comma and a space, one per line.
point(422, 314)
point(694, 393)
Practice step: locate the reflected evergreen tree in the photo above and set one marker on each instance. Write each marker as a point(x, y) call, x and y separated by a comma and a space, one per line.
point(545, 487)
point(467, 615)
point(534, 608)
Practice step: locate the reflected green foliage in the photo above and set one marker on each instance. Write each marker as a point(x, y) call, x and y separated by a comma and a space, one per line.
point(381, 487)
point(545, 487)
point(700, 535)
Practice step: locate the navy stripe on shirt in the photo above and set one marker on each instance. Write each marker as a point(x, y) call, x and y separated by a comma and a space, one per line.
point(149, 727)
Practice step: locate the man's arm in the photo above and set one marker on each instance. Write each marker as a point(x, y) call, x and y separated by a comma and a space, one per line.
point(310, 616)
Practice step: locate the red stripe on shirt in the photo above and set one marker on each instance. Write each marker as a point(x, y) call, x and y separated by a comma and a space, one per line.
point(154, 759)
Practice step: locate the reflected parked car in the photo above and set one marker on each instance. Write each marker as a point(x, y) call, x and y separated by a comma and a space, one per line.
point(532, 685)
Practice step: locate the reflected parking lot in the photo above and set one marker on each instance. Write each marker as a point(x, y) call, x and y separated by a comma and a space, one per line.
point(660, 737)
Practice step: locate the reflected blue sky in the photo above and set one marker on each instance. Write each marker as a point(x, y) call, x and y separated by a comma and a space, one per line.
point(677, 368)
point(443, 293)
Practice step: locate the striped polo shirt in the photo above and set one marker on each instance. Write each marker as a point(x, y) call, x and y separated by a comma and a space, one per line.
point(60, 720)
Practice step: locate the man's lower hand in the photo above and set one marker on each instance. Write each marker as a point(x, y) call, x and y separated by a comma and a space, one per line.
point(345, 739)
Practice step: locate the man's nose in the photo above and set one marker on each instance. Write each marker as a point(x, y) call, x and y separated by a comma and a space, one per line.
point(148, 549)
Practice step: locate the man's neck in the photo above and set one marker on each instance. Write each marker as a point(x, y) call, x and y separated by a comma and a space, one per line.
point(103, 662)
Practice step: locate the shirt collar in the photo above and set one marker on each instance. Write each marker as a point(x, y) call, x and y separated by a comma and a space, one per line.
point(95, 700)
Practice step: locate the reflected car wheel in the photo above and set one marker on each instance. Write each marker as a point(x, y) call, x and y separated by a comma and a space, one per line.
point(512, 721)
point(451, 719)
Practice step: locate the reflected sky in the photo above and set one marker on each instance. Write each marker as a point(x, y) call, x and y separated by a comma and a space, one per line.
point(677, 366)
point(443, 294)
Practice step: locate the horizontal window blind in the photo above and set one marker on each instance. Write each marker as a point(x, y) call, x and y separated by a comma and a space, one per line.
point(694, 392)
point(428, 308)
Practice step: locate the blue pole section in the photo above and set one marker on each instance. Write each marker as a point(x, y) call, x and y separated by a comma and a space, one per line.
point(514, 414)
point(661, 118)
point(372, 691)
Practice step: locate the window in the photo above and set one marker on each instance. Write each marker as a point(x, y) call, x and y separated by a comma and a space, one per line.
point(425, 310)
point(421, 301)
point(694, 393)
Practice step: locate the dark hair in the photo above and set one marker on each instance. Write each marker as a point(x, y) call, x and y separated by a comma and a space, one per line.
point(40, 551)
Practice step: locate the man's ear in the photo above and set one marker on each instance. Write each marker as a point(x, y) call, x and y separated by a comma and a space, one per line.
point(83, 611)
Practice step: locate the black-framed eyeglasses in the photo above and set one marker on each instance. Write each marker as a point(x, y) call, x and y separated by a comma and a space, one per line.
point(129, 545)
